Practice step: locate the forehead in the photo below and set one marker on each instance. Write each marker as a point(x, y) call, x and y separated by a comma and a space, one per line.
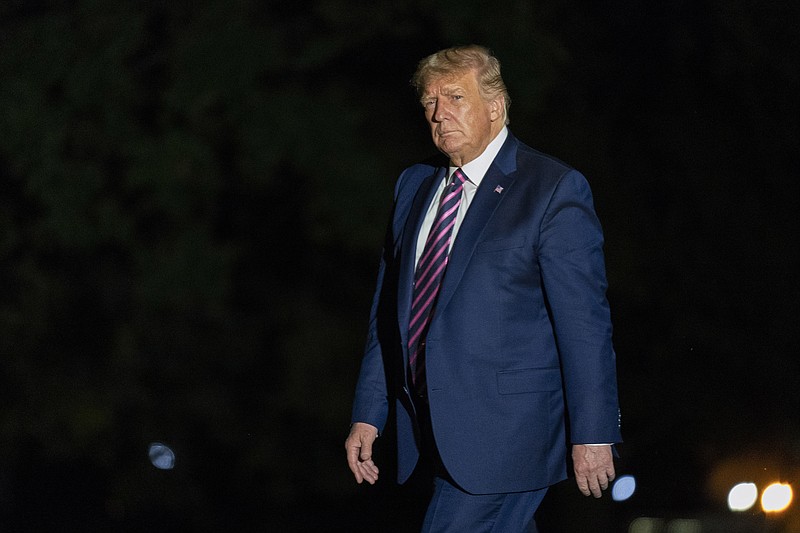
point(465, 80)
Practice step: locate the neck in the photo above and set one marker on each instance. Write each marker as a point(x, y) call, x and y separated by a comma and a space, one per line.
point(460, 161)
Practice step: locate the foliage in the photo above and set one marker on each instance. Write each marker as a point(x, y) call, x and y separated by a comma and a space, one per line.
point(194, 196)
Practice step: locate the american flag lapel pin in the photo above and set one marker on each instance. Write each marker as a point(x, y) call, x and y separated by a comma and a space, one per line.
point(498, 189)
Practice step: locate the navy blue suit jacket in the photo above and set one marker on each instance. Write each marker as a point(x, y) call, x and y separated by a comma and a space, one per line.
point(519, 356)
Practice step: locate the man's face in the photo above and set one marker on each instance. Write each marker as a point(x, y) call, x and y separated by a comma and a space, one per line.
point(462, 122)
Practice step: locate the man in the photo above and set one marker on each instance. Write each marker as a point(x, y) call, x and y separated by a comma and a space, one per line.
point(490, 328)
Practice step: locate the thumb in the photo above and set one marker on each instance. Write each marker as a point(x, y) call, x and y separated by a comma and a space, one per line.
point(366, 450)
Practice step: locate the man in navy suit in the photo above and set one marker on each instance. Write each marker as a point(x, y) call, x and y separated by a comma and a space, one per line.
point(519, 367)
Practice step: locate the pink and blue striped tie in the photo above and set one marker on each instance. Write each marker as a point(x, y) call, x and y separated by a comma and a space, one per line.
point(428, 277)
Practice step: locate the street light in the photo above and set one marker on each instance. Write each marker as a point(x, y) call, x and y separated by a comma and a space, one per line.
point(776, 498)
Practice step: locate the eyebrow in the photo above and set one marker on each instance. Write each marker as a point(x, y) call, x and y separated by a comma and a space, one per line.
point(445, 91)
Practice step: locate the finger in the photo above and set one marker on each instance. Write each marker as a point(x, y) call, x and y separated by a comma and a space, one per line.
point(355, 466)
point(352, 460)
point(583, 485)
point(369, 465)
point(369, 472)
point(594, 487)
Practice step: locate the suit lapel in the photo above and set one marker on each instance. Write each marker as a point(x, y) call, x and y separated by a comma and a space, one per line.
point(495, 185)
point(416, 215)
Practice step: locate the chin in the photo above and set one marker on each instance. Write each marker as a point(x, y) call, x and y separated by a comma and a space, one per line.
point(447, 147)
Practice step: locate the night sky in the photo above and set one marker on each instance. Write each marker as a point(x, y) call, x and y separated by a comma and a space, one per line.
point(193, 199)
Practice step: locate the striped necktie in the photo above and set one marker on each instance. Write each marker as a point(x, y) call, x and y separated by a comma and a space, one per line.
point(428, 277)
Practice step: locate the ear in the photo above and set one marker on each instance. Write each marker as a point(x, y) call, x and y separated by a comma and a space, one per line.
point(496, 107)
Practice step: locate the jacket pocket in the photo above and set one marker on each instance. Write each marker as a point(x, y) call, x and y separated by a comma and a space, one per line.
point(529, 380)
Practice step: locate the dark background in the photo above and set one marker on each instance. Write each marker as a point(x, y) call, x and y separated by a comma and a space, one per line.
point(192, 201)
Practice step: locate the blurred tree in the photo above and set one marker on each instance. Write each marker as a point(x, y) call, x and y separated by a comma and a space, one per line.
point(193, 197)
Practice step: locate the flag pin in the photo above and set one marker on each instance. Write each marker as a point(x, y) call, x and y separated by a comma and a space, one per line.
point(498, 189)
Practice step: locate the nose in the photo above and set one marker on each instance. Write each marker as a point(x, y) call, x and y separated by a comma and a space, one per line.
point(440, 111)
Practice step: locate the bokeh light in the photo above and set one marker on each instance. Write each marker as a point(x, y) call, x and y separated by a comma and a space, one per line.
point(161, 456)
point(645, 524)
point(742, 497)
point(776, 498)
point(623, 488)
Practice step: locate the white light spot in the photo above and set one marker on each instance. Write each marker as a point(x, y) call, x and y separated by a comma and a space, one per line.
point(742, 497)
point(161, 456)
point(623, 488)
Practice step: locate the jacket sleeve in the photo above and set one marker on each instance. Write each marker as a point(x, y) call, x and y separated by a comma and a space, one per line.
point(573, 273)
point(371, 403)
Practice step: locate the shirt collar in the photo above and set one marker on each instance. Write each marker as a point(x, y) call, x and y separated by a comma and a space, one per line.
point(476, 169)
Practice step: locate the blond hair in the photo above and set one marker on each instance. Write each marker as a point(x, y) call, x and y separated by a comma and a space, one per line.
point(459, 59)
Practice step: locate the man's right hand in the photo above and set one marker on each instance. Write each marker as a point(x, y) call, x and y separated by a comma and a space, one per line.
point(359, 452)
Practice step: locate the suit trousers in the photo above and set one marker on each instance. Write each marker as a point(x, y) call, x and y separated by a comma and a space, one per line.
point(453, 510)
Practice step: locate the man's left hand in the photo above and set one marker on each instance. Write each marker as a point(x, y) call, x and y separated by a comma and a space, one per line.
point(594, 468)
